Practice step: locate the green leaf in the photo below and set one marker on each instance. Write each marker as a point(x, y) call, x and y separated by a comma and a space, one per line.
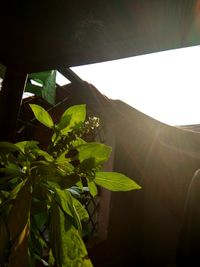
point(40, 219)
point(72, 118)
point(59, 173)
point(99, 152)
point(62, 157)
point(66, 244)
point(115, 181)
point(11, 169)
point(49, 88)
point(79, 141)
point(64, 199)
point(42, 115)
point(51, 260)
point(47, 79)
point(34, 89)
point(69, 181)
point(55, 232)
point(87, 165)
point(24, 145)
point(36, 244)
point(92, 188)
point(15, 190)
point(43, 153)
point(75, 253)
point(82, 212)
point(20, 211)
point(9, 146)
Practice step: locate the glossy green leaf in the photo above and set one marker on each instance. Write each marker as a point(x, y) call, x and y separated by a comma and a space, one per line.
point(99, 152)
point(20, 211)
point(115, 181)
point(42, 115)
point(72, 118)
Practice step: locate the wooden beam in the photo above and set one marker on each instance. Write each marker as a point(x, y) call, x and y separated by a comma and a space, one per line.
point(10, 102)
point(70, 75)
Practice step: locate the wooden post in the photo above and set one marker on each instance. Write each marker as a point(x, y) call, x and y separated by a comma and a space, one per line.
point(10, 101)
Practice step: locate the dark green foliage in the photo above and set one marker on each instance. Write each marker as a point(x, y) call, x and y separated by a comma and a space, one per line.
point(40, 212)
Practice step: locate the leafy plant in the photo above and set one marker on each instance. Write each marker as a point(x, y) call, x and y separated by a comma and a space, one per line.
point(40, 214)
point(46, 87)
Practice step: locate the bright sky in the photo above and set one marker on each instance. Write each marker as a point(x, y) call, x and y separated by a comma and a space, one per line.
point(164, 85)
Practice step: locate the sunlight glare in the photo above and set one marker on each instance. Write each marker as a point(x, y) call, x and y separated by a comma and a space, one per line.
point(163, 85)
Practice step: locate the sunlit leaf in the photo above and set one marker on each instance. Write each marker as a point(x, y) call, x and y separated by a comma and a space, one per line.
point(115, 181)
point(75, 253)
point(66, 243)
point(51, 260)
point(64, 198)
point(82, 212)
point(42, 115)
point(79, 141)
point(92, 188)
point(24, 145)
point(72, 118)
point(43, 153)
point(99, 152)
